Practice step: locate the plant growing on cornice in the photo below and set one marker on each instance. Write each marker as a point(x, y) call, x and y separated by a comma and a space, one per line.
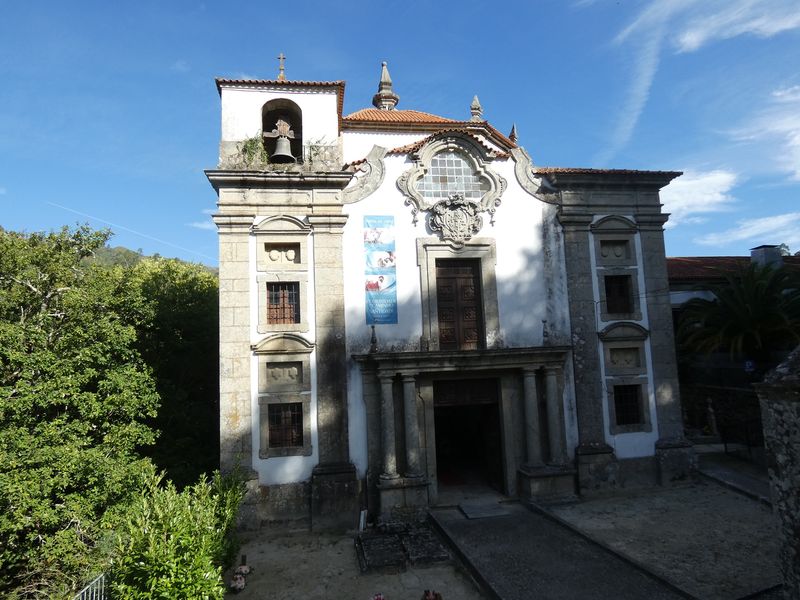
point(252, 151)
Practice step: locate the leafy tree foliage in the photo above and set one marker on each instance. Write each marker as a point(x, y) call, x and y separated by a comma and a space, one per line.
point(178, 338)
point(174, 544)
point(754, 313)
point(74, 394)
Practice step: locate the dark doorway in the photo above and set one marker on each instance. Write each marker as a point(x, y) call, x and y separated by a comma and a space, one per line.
point(459, 306)
point(468, 442)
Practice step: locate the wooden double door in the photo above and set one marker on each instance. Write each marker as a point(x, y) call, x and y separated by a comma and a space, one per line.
point(459, 304)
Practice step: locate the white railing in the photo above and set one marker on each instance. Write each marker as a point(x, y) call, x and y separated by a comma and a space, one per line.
point(96, 590)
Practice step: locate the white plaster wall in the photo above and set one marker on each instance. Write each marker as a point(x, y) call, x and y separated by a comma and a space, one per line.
point(357, 144)
point(521, 284)
point(521, 291)
point(282, 469)
point(241, 111)
point(635, 444)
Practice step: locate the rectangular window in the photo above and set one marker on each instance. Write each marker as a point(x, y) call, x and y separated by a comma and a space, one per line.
point(619, 296)
point(285, 424)
point(628, 404)
point(283, 302)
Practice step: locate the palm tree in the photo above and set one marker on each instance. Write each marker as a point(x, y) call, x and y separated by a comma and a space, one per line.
point(754, 313)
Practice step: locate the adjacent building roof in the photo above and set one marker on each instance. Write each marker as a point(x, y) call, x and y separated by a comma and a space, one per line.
point(713, 268)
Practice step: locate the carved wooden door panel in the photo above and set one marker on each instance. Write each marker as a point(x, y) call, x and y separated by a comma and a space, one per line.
point(460, 311)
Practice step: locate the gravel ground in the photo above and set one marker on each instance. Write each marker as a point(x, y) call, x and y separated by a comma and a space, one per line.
point(707, 540)
point(301, 564)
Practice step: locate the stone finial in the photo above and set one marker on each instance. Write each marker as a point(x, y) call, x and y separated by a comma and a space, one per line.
point(513, 135)
point(476, 109)
point(385, 99)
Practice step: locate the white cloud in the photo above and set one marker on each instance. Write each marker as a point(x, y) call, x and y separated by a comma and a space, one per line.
point(777, 229)
point(724, 19)
point(778, 125)
point(689, 25)
point(696, 193)
point(790, 94)
point(207, 225)
point(180, 66)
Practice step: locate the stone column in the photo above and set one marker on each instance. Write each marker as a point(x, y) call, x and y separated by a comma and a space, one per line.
point(387, 428)
point(533, 432)
point(413, 463)
point(555, 421)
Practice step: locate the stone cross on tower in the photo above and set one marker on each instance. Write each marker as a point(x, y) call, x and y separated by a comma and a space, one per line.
point(281, 74)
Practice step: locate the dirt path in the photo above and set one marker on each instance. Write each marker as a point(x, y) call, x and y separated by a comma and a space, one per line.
point(301, 564)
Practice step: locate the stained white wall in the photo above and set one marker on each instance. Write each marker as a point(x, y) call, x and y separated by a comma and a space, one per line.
point(241, 111)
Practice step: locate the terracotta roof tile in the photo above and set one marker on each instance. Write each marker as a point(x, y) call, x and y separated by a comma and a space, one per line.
point(414, 146)
point(375, 115)
point(713, 268)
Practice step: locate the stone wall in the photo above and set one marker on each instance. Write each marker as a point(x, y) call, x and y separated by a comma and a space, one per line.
point(780, 412)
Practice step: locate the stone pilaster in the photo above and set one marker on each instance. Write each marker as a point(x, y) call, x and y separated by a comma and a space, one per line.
point(236, 437)
point(334, 488)
point(583, 321)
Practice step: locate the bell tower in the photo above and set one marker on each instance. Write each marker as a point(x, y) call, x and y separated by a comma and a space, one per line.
point(283, 401)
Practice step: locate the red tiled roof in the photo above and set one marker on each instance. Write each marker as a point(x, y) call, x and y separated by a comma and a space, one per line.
point(415, 120)
point(374, 115)
point(713, 267)
point(414, 146)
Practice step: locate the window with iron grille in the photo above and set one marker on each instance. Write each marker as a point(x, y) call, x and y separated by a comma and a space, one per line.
point(285, 424)
point(283, 302)
point(628, 404)
point(619, 296)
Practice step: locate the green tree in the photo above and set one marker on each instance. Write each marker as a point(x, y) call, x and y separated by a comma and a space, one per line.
point(754, 313)
point(74, 394)
point(178, 339)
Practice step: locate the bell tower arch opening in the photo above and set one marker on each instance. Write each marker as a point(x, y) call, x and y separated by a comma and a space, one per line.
point(282, 122)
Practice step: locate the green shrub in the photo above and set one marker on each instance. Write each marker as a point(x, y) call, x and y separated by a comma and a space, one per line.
point(176, 544)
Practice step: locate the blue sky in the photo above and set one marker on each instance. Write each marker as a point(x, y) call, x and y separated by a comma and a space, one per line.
point(109, 112)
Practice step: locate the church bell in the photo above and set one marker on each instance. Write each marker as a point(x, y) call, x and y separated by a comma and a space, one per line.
point(283, 151)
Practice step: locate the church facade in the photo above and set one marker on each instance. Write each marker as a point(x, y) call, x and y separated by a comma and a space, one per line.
point(408, 303)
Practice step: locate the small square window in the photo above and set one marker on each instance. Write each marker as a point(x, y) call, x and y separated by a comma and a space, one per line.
point(619, 296)
point(285, 425)
point(283, 302)
point(628, 404)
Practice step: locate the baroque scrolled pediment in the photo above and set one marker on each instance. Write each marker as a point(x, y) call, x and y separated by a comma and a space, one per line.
point(534, 184)
point(452, 183)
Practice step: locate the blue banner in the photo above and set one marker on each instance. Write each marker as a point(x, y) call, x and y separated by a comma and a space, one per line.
point(380, 274)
